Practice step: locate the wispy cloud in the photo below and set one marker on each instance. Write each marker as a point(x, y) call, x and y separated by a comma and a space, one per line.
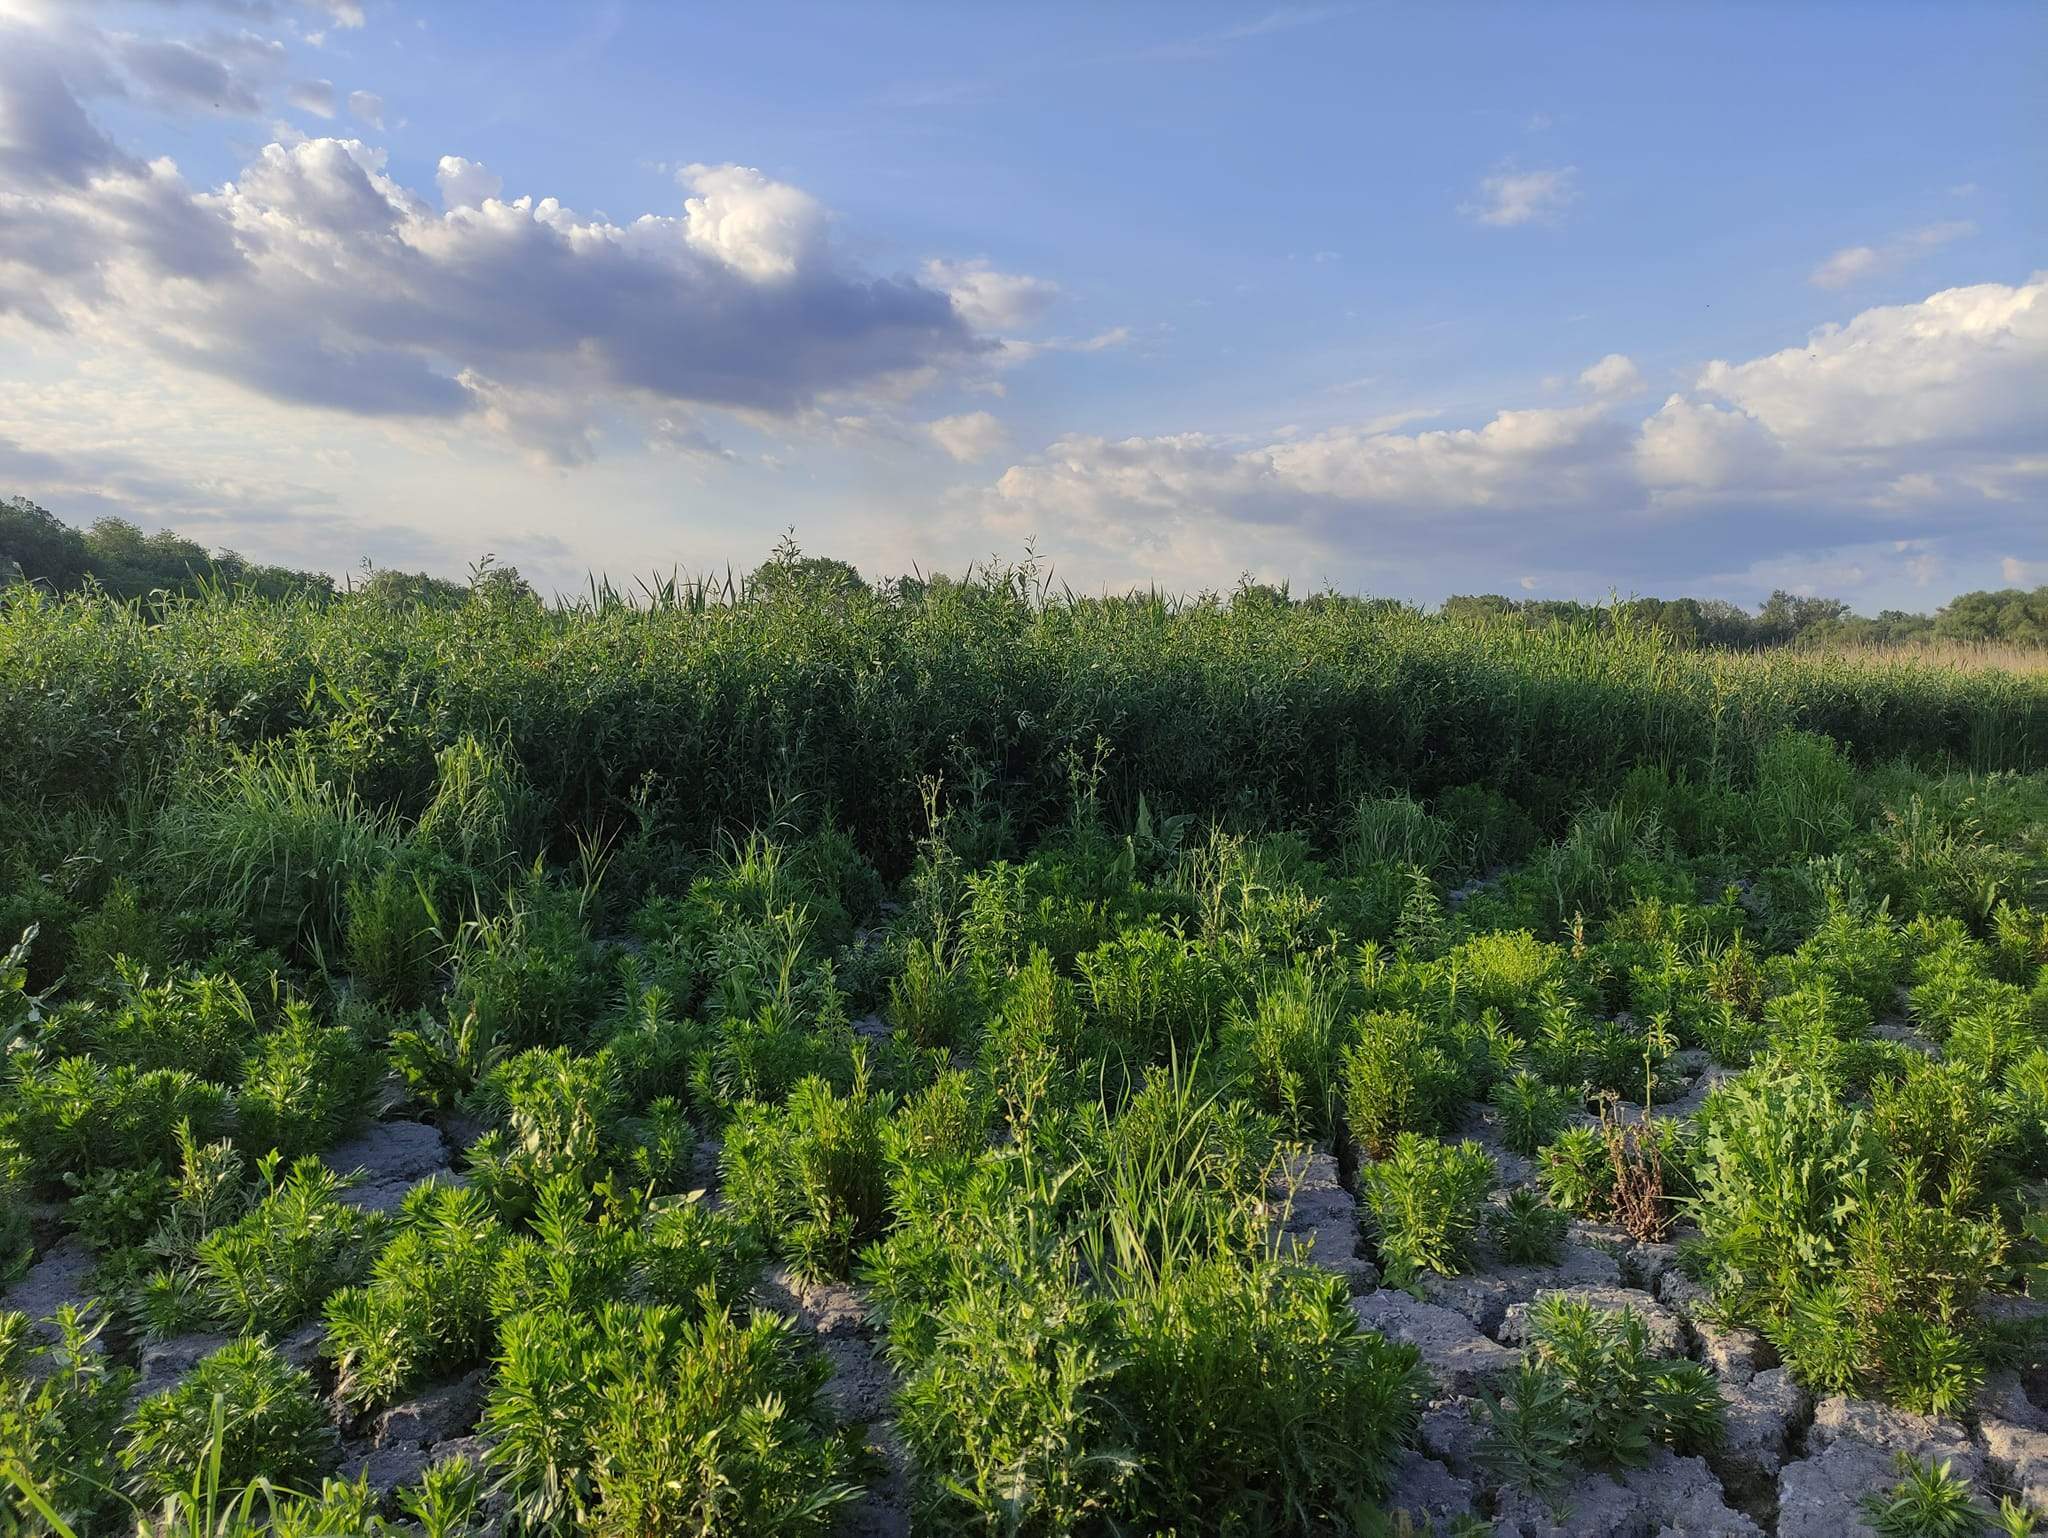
point(1020, 350)
point(1851, 264)
point(1207, 45)
point(938, 93)
point(314, 96)
point(1511, 196)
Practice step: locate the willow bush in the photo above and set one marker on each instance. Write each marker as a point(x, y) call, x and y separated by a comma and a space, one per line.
point(1253, 712)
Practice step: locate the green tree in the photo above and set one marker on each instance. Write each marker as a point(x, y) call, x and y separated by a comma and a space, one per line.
point(41, 546)
point(2010, 614)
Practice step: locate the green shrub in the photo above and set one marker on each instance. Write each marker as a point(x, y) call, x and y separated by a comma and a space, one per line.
point(482, 812)
point(1861, 956)
point(691, 1255)
point(1525, 1230)
point(60, 1404)
point(443, 1061)
point(1778, 1157)
point(1577, 1173)
point(654, 1050)
point(305, 1086)
point(1861, 1270)
point(1394, 830)
point(1812, 1020)
point(1287, 1040)
point(1953, 984)
point(1531, 1112)
point(565, 1117)
point(1191, 1379)
point(1914, 1270)
point(1937, 861)
point(1179, 1128)
point(1421, 931)
point(80, 1115)
point(17, 1240)
point(1989, 1041)
point(1253, 1393)
point(2019, 942)
point(425, 1309)
point(198, 1022)
point(275, 1265)
point(1006, 1406)
point(1009, 911)
point(646, 1420)
point(810, 1178)
point(1031, 1046)
point(1426, 1200)
point(1590, 1395)
point(777, 1013)
point(945, 1124)
point(1803, 800)
point(448, 1500)
point(207, 1192)
point(2023, 1103)
point(1399, 1079)
point(1929, 1501)
point(1577, 1051)
point(270, 1424)
point(1151, 993)
point(1944, 1118)
point(566, 1257)
point(1490, 826)
point(1509, 971)
point(931, 1001)
point(115, 1210)
point(530, 973)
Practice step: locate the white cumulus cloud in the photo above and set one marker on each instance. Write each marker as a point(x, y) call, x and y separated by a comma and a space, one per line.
point(465, 183)
point(1925, 419)
point(1966, 365)
point(764, 229)
point(1615, 374)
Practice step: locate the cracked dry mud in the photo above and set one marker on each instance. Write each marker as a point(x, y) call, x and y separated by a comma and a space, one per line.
point(1786, 1466)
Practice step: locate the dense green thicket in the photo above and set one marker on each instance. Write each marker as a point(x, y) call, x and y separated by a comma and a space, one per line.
point(708, 717)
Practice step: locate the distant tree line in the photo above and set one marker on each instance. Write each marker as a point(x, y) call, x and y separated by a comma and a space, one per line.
point(2012, 616)
point(118, 558)
point(114, 555)
point(38, 546)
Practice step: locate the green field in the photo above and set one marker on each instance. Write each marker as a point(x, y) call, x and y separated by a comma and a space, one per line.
point(967, 1059)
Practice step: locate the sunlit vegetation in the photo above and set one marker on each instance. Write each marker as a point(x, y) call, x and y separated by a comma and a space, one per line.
point(985, 954)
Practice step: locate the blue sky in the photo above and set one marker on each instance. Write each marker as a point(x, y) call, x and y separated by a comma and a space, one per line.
point(1553, 300)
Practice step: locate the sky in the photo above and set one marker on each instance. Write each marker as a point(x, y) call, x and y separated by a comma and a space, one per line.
point(1553, 301)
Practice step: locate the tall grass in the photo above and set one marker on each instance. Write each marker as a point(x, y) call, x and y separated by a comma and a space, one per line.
point(1246, 711)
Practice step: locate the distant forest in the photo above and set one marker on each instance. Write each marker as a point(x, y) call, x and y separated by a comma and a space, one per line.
point(118, 558)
